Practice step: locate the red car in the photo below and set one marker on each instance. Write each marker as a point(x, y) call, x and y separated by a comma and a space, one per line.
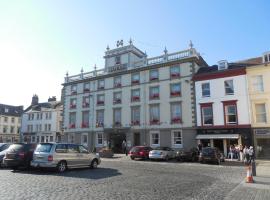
point(139, 152)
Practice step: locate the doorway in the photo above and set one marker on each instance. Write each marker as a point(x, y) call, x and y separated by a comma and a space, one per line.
point(219, 144)
point(116, 140)
point(137, 139)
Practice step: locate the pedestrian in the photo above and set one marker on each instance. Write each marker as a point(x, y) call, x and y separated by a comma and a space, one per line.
point(124, 147)
point(246, 155)
point(199, 147)
point(241, 152)
point(251, 153)
point(231, 152)
point(237, 152)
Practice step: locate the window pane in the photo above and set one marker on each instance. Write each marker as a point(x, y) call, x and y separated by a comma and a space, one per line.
point(229, 87)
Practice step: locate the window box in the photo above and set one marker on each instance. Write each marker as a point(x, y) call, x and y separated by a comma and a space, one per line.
point(154, 122)
point(117, 85)
point(72, 125)
point(175, 75)
point(99, 124)
point(86, 90)
point(117, 123)
point(100, 103)
point(117, 101)
point(85, 125)
point(176, 94)
point(72, 106)
point(135, 98)
point(135, 123)
point(154, 96)
point(73, 92)
point(176, 120)
point(153, 78)
point(85, 105)
point(134, 82)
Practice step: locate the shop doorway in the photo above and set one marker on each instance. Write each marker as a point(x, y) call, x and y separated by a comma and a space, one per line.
point(219, 144)
point(263, 148)
point(205, 142)
point(137, 139)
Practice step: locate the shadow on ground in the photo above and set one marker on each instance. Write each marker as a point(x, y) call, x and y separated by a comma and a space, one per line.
point(84, 173)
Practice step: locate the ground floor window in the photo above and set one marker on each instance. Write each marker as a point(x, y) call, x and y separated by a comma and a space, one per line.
point(42, 138)
point(33, 139)
point(154, 138)
point(177, 138)
point(99, 139)
point(51, 138)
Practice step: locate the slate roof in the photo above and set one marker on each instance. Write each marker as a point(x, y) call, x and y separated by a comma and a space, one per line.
point(9, 110)
point(39, 106)
point(231, 66)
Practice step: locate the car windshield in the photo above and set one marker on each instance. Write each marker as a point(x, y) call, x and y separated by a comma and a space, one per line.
point(207, 150)
point(135, 149)
point(15, 147)
point(3, 147)
point(46, 148)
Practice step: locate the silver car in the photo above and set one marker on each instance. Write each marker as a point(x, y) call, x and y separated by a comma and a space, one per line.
point(162, 153)
point(63, 156)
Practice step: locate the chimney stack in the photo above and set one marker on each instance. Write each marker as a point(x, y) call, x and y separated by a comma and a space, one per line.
point(34, 100)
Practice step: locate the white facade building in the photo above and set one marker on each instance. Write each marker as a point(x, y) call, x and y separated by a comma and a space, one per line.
point(222, 106)
point(145, 101)
point(10, 123)
point(42, 122)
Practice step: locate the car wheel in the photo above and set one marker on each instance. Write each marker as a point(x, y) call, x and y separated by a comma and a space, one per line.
point(131, 157)
point(218, 162)
point(94, 164)
point(14, 168)
point(62, 166)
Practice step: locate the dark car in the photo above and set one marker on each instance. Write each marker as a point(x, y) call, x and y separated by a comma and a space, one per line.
point(191, 155)
point(3, 149)
point(19, 155)
point(139, 152)
point(210, 154)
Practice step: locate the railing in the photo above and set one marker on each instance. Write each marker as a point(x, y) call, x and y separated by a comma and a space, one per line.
point(141, 63)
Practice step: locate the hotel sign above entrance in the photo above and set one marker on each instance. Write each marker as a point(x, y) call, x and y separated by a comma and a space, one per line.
point(117, 68)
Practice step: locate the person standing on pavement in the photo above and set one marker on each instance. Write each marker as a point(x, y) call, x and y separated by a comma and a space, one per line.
point(241, 152)
point(124, 147)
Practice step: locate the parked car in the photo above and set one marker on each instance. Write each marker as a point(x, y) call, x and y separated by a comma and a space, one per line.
point(62, 156)
point(19, 155)
point(3, 150)
point(191, 155)
point(4, 146)
point(139, 152)
point(210, 154)
point(162, 153)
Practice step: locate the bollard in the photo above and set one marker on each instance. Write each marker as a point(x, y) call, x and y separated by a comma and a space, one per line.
point(253, 164)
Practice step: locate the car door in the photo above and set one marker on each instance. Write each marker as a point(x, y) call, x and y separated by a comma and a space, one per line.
point(73, 154)
point(85, 158)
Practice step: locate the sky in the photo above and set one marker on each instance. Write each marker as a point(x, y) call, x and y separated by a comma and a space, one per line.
point(42, 40)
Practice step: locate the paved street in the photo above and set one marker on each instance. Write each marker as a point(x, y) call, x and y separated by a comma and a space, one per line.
point(126, 179)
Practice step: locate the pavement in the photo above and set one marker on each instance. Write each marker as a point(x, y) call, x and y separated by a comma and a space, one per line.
point(259, 190)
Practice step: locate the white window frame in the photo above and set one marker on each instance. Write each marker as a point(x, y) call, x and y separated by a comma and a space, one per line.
point(82, 137)
point(173, 139)
point(265, 108)
point(257, 83)
point(226, 87)
point(151, 137)
point(99, 144)
point(205, 90)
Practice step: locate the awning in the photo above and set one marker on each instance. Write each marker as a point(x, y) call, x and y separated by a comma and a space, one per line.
point(217, 136)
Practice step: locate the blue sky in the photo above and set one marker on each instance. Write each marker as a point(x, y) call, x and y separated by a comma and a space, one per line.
point(41, 40)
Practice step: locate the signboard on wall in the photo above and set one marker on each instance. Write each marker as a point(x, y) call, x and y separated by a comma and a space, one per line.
point(262, 131)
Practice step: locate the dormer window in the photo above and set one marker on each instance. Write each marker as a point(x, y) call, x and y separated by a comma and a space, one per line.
point(266, 57)
point(117, 60)
point(222, 65)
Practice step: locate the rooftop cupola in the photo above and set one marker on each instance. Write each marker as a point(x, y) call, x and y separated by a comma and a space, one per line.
point(34, 100)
